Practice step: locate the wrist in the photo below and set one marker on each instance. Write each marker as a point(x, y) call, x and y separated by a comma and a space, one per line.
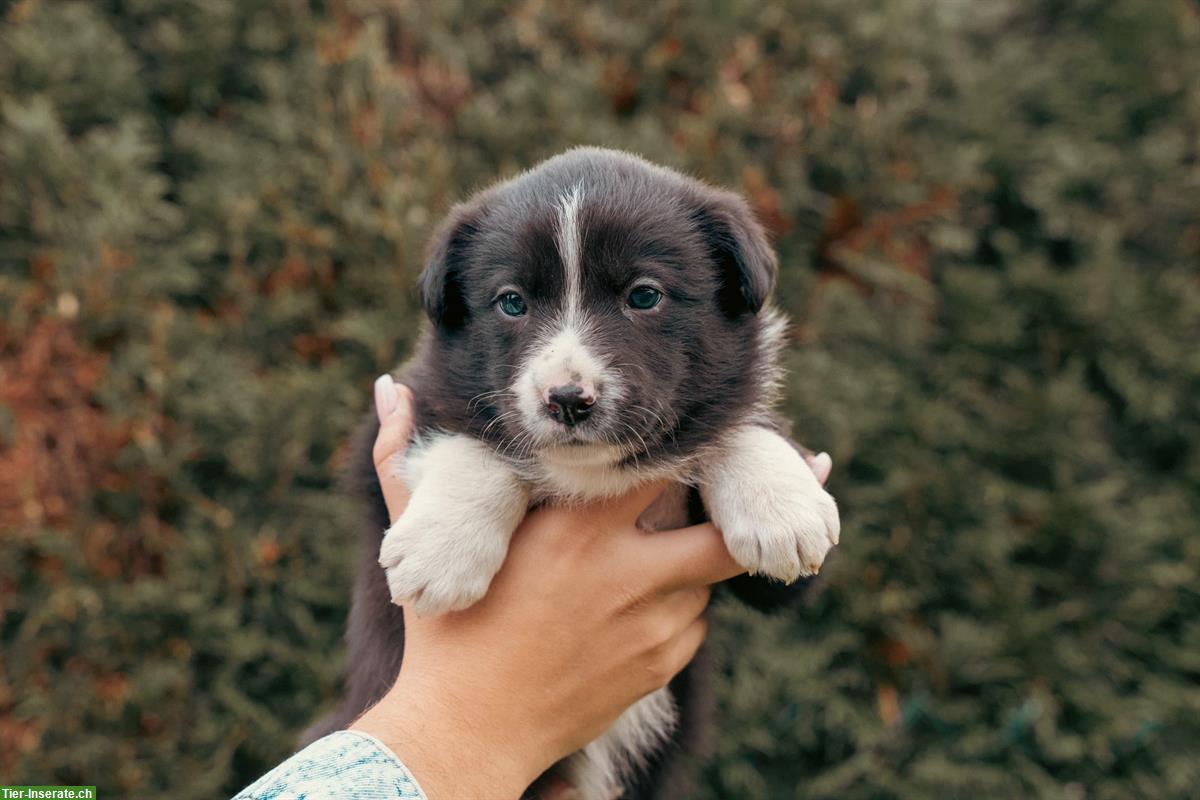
point(454, 752)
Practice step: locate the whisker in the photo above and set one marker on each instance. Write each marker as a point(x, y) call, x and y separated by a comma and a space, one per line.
point(504, 417)
point(482, 395)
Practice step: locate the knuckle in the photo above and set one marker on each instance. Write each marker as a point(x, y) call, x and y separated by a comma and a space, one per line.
point(562, 519)
point(557, 531)
point(660, 631)
point(383, 453)
point(590, 528)
point(629, 600)
point(659, 670)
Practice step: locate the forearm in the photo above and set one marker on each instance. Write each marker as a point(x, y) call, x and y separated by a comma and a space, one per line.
point(448, 744)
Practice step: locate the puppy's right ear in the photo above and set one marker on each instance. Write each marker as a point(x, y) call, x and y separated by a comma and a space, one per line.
point(443, 294)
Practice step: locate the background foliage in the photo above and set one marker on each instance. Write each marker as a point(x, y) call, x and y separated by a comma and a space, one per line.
point(211, 214)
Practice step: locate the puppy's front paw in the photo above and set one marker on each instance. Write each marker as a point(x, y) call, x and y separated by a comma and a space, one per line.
point(776, 518)
point(435, 565)
point(451, 540)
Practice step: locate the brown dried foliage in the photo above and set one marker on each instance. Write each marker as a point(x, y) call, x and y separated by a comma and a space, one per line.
point(62, 445)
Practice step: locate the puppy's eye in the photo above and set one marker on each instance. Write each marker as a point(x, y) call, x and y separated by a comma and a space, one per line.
point(644, 297)
point(512, 304)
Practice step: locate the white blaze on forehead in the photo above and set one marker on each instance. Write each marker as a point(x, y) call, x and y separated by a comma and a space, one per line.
point(562, 356)
point(570, 250)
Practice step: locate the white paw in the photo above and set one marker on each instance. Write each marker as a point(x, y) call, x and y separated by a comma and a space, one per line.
point(776, 518)
point(443, 552)
point(432, 568)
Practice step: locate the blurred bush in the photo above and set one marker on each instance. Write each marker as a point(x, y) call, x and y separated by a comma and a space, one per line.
point(210, 215)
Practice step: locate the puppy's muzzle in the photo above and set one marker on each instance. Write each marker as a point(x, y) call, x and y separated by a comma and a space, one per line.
point(569, 404)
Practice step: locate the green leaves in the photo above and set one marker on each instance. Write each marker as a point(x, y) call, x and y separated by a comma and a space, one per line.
point(210, 218)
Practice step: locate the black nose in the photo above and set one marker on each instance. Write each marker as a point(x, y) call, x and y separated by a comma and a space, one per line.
point(569, 404)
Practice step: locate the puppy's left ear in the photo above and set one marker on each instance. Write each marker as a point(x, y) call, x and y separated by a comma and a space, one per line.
point(443, 294)
point(739, 245)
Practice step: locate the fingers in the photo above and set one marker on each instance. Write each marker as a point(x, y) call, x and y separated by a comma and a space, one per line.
point(684, 648)
point(393, 403)
point(686, 604)
point(687, 557)
point(677, 629)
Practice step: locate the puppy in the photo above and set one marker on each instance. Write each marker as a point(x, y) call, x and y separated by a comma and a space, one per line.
point(595, 323)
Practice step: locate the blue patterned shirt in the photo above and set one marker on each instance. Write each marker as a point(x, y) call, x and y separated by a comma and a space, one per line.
point(346, 764)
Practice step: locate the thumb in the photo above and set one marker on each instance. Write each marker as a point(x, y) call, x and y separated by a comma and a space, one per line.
point(394, 404)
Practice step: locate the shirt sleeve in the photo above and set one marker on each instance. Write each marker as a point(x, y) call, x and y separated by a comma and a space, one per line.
point(345, 764)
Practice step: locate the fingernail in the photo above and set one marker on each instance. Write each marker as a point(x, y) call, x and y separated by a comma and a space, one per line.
point(822, 465)
point(385, 396)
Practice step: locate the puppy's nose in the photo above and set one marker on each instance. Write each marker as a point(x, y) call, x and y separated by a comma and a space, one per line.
point(569, 404)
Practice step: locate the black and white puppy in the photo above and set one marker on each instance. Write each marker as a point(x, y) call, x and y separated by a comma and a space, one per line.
point(596, 322)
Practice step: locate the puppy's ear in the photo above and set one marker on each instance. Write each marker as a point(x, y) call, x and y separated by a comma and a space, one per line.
point(739, 245)
point(443, 294)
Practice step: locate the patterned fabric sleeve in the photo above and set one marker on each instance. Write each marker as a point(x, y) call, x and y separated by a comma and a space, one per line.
point(346, 764)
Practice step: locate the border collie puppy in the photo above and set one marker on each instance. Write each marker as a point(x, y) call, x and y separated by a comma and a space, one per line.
point(596, 322)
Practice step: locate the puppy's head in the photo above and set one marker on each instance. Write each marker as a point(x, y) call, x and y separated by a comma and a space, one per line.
point(602, 306)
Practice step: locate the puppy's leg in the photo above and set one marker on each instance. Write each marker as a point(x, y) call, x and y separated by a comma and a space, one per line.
point(451, 540)
point(776, 518)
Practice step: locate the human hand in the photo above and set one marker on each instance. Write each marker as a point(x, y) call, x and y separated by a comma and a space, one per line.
point(588, 614)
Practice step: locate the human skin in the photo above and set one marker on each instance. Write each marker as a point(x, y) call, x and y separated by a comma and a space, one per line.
point(587, 615)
